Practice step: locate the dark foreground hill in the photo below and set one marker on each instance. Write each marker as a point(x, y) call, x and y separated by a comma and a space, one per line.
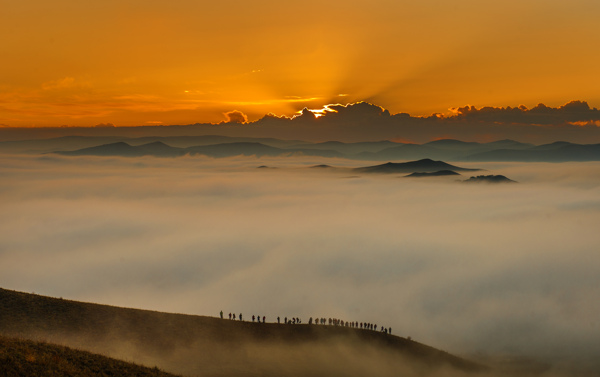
point(25, 358)
point(198, 346)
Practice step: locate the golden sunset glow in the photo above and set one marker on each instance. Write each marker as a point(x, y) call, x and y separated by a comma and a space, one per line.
point(136, 62)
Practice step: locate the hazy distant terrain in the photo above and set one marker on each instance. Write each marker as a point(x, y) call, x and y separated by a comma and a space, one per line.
point(506, 273)
point(222, 146)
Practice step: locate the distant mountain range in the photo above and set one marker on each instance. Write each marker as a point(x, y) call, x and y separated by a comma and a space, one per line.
point(160, 149)
point(223, 146)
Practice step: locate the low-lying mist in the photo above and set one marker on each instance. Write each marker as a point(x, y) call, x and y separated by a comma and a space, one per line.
point(484, 271)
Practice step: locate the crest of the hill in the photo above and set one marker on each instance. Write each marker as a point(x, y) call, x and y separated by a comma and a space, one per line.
point(197, 345)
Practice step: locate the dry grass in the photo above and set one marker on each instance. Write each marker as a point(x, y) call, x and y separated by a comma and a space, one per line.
point(25, 358)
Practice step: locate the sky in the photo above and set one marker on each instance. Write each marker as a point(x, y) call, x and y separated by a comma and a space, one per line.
point(134, 62)
point(483, 270)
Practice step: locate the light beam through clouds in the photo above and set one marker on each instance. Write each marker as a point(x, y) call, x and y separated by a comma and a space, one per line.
point(77, 63)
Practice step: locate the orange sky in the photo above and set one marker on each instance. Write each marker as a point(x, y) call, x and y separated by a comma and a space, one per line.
point(138, 62)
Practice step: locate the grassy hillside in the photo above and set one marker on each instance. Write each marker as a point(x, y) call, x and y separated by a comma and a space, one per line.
point(196, 345)
point(25, 358)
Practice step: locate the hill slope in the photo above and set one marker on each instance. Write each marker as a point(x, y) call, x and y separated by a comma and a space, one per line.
point(24, 358)
point(195, 345)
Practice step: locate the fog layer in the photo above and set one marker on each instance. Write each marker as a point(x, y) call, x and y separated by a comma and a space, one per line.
point(483, 270)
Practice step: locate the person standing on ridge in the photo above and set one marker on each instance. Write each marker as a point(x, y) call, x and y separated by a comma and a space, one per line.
point(221, 314)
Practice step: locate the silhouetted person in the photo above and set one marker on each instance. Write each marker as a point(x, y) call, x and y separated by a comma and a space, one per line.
point(278, 320)
point(221, 314)
point(234, 316)
point(240, 316)
point(264, 318)
point(390, 331)
point(229, 315)
point(285, 320)
point(252, 318)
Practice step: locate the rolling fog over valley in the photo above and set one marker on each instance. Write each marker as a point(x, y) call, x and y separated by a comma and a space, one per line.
point(477, 270)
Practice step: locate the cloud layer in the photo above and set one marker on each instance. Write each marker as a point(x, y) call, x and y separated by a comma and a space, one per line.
point(470, 269)
point(575, 121)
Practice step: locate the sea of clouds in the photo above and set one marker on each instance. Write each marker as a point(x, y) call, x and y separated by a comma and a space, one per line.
point(476, 270)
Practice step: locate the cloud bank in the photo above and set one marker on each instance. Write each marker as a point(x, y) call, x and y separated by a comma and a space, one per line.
point(575, 121)
point(486, 270)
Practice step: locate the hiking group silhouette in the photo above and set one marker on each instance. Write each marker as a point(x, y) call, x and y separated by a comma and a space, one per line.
point(317, 321)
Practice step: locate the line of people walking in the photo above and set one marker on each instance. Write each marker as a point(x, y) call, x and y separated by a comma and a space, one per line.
point(317, 321)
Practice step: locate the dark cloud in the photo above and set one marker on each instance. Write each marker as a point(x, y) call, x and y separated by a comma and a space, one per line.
point(575, 122)
point(104, 125)
point(357, 110)
point(574, 111)
point(236, 116)
point(306, 115)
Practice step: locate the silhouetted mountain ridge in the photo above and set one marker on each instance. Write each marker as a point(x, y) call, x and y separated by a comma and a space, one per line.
point(224, 146)
point(440, 173)
point(489, 179)
point(425, 165)
point(160, 149)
